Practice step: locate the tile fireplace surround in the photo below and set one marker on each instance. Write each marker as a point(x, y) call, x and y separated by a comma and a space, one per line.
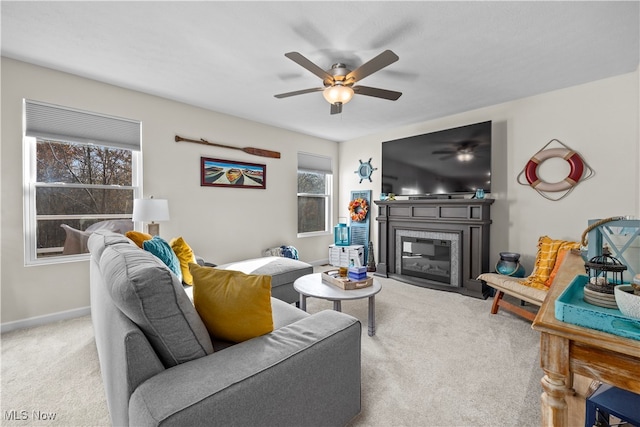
point(464, 223)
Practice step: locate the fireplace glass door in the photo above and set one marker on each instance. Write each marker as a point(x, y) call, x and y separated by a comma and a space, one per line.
point(427, 258)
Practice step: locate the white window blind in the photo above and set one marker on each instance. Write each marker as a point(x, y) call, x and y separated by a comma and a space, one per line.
point(314, 163)
point(65, 124)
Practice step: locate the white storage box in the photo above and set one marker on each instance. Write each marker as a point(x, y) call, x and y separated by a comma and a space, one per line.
point(342, 256)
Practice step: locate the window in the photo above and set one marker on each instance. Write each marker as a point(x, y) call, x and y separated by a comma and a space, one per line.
point(315, 182)
point(81, 173)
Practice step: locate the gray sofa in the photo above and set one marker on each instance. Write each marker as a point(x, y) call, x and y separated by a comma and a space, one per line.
point(159, 366)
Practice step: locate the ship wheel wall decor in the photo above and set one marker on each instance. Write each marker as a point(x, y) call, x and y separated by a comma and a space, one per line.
point(580, 171)
point(365, 170)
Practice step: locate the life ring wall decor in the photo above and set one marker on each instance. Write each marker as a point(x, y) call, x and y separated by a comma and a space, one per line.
point(580, 171)
point(574, 160)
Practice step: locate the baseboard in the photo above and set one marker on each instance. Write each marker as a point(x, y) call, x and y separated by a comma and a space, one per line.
point(44, 319)
point(319, 262)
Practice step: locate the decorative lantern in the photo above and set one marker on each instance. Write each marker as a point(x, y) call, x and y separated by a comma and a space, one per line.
point(342, 235)
point(604, 272)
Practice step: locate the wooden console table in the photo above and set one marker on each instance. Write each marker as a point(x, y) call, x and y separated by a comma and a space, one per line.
point(567, 349)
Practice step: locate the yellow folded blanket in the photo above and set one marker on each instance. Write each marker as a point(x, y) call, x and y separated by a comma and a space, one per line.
point(550, 254)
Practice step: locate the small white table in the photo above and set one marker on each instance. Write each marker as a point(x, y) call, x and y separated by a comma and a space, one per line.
point(311, 285)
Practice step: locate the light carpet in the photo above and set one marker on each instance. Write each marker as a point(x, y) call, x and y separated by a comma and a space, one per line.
point(437, 359)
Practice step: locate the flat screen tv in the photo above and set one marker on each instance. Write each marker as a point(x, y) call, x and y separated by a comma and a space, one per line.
point(448, 162)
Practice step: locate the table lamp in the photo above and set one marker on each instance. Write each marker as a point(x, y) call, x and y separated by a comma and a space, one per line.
point(150, 210)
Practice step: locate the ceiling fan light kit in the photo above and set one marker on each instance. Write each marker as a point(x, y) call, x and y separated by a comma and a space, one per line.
point(338, 93)
point(339, 81)
point(465, 156)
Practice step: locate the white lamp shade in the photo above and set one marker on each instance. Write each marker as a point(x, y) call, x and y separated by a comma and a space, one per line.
point(338, 93)
point(150, 210)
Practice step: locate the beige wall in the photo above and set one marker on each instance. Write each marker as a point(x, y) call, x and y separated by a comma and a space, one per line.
point(599, 120)
point(221, 224)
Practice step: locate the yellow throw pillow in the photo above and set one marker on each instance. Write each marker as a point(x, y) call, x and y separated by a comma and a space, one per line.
point(138, 237)
point(185, 255)
point(234, 306)
point(548, 249)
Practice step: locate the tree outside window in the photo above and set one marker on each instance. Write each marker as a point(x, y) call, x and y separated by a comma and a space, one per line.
point(78, 185)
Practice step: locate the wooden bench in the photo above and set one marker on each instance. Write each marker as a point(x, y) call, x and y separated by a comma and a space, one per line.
point(572, 265)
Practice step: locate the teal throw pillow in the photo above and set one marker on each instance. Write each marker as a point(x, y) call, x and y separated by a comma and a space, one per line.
point(161, 249)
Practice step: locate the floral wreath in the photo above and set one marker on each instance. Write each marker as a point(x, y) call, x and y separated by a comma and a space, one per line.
point(358, 209)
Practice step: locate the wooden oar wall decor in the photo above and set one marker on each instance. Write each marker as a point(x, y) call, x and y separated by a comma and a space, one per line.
point(250, 150)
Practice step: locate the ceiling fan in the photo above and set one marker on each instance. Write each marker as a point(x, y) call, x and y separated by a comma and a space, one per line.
point(464, 151)
point(340, 82)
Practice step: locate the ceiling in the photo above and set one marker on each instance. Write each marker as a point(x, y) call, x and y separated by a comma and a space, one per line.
point(229, 56)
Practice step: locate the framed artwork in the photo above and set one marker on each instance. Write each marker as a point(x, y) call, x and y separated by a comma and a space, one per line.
point(232, 174)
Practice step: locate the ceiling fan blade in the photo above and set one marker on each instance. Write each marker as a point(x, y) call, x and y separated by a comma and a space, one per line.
point(379, 62)
point(336, 108)
point(378, 93)
point(305, 63)
point(299, 92)
point(443, 152)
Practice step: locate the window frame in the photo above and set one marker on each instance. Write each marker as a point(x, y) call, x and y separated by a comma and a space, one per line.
point(328, 196)
point(30, 186)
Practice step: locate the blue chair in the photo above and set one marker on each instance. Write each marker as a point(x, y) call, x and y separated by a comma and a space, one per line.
point(609, 400)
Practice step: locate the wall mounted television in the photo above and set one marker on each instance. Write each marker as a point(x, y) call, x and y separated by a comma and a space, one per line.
point(448, 162)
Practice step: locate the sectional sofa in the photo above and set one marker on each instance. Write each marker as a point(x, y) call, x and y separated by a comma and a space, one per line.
point(160, 365)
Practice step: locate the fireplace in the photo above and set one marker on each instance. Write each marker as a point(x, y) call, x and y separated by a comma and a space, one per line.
point(428, 256)
point(435, 243)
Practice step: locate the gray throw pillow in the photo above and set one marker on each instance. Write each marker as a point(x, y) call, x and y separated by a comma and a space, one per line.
point(144, 289)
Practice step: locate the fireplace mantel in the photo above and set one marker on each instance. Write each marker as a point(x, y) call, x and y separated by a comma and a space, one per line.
point(468, 218)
